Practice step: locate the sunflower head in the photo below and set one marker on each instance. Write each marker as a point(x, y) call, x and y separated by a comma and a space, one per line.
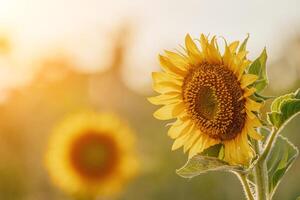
point(209, 95)
point(91, 154)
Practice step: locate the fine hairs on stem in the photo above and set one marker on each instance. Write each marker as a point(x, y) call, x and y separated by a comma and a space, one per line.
point(246, 185)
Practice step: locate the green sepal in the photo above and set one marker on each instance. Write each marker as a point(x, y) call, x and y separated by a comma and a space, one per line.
point(244, 44)
point(262, 97)
point(258, 67)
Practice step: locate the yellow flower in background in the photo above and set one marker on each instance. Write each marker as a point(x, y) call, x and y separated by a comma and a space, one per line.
point(209, 94)
point(91, 154)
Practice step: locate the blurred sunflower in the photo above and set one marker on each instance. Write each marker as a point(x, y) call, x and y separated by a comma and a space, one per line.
point(91, 154)
point(209, 94)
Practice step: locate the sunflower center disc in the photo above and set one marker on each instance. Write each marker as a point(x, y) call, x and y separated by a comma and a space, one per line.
point(212, 96)
point(93, 155)
point(207, 103)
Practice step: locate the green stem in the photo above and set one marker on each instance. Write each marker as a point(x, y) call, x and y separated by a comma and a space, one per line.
point(269, 144)
point(261, 175)
point(246, 186)
point(260, 170)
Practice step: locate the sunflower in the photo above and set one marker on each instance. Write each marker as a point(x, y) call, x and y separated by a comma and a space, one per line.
point(209, 95)
point(91, 154)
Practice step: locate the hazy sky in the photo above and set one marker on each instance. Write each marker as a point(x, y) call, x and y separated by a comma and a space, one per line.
point(159, 24)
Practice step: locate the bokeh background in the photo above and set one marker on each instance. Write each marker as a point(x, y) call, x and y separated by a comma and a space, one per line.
point(62, 56)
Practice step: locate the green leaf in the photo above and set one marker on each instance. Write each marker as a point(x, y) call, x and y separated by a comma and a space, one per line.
point(276, 103)
point(263, 97)
point(284, 108)
point(258, 67)
point(279, 161)
point(275, 119)
point(201, 164)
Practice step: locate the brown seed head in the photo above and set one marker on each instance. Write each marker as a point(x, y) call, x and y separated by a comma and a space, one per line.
point(212, 95)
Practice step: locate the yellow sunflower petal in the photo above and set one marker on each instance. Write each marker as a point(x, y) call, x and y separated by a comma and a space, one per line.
point(248, 79)
point(252, 105)
point(254, 122)
point(178, 60)
point(202, 143)
point(246, 145)
point(237, 151)
point(233, 65)
point(194, 135)
point(193, 50)
point(165, 87)
point(179, 142)
point(242, 54)
point(177, 128)
point(164, 99)
point(241, 142)
point(197, 147)
point(169, 67)
point(241, 68)
point(165, 77)
point(250, 114)
point(214, 52)
point(204, 46)
point(179, 109)
point(166, 112)
point(255, 135)
point(249, 91)
point(229, 55)
point(233, 46)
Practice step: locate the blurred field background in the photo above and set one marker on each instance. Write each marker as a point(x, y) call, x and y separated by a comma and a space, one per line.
point(59, 57)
